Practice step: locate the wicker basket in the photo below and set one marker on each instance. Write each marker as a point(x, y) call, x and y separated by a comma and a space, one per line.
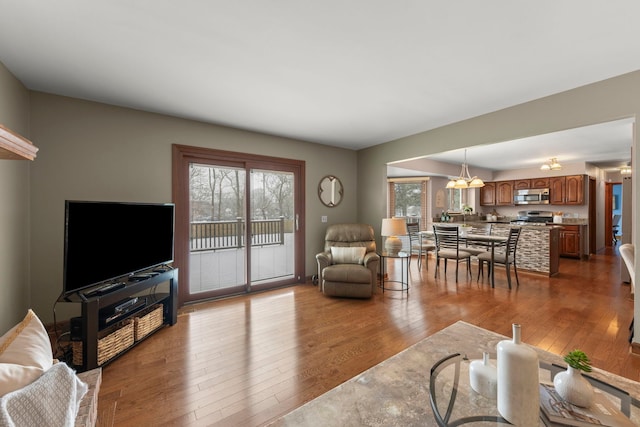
point(116, 339)
point(148, 321)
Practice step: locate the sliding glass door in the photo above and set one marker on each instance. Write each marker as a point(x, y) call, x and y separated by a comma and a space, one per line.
point(237, 222)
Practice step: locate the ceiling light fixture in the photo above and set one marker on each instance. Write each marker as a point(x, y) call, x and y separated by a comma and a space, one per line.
point(625, 170)
point(465, 180)
point(552, 165)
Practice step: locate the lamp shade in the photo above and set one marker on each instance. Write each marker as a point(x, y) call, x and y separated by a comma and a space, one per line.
point(391, 228)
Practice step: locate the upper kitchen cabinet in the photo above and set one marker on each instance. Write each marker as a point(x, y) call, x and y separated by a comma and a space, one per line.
point(504, 193)
point(566, 190)
point(556, 190)
point(539, 183)
point(15, 147)
point(574, 190)
point(488, 194)
point(498, 193)
point(521, 184)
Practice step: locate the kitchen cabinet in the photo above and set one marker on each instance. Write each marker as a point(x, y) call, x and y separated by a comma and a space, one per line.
point(556, 190)
point(521, 184)
point(539, 183)
point(574, 190)
point(488, 194)
point(570, 241)
point(504, 193)
point(566, 190)
point(499, 193)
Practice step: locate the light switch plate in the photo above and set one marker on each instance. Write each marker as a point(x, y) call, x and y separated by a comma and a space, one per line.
point(323, 218)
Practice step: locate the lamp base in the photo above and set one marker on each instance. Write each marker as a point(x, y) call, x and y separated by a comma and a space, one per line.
point(393, 245)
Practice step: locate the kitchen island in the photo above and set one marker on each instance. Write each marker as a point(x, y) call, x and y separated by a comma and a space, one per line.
point(538, 247)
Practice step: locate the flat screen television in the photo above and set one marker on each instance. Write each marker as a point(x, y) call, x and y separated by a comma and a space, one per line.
point(104, 241)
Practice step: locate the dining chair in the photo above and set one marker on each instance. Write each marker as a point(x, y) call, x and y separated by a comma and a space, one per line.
point(506, 257)
point(477, 248)
point(448, 248)
point(419, 244)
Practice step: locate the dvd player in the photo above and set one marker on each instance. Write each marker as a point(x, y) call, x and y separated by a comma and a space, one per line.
point(121, 309)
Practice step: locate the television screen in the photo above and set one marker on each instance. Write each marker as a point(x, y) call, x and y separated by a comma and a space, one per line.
point(108, 240)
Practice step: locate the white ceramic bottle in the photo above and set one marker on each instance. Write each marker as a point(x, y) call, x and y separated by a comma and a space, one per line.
point(483, 377)
point(518, 379)
point(573, 387)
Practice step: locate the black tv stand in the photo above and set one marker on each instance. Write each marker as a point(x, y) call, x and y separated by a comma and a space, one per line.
point(161, 288)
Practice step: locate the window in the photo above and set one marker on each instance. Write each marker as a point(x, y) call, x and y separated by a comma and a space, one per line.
point(408, 199)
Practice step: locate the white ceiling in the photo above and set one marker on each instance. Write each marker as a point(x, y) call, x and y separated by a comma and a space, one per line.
point(345, 73)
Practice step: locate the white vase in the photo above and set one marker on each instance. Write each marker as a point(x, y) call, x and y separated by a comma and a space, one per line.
point(573, 387)
point(483, 377)
point(518, 379)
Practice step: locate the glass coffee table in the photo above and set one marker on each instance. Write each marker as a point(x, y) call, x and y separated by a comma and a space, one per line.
point(455, 403)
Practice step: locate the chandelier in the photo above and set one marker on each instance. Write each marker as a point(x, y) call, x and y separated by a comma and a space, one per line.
point(625, 170)
point(551, 165)
point(465, 180)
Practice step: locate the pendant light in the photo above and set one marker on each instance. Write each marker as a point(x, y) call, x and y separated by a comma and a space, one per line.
point(551, 165)
point(465, 180)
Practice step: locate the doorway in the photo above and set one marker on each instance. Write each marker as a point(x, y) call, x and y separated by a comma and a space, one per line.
point(238, 222)
point(612, 213)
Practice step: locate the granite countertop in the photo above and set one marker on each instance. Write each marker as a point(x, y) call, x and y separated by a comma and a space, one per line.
point(396, 391)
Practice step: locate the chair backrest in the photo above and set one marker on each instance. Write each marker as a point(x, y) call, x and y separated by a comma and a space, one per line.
point(481, 229)
point(512, 242)
point(615, 221)
point(627, 252)
point(447, 237)
point(347, 235)
point(413, 230)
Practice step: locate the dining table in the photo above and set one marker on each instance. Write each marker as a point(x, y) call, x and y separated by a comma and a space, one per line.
point(490, 240)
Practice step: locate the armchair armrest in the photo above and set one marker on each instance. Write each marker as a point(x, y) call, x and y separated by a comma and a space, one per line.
point(323, 259)
point(371, 257)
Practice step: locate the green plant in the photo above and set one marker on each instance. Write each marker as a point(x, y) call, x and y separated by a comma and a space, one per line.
point(577, 359)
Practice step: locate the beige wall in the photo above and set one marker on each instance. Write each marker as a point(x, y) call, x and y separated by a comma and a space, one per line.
point(14, 207)
point(608, 100)
point(92, 151)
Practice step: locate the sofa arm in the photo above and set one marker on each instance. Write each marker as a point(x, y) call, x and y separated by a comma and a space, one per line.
point(372, 262)
point(371, 258)
point(324, 260)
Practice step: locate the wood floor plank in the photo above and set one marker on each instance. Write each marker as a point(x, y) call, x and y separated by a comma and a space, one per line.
point(244, 361)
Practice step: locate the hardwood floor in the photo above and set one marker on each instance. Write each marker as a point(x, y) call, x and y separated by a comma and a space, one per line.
point(247, 360)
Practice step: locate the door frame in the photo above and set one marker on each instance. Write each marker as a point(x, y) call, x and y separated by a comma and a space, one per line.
point(182, 156)
point(608, 212)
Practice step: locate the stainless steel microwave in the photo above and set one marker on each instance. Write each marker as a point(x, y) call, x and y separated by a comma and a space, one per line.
point(531, 196)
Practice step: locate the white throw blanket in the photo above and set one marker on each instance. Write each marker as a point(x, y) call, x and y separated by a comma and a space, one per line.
point(51, 400)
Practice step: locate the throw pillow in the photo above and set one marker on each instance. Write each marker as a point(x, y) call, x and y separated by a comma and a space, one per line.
point(14, 377)
point(348, 255)
point(27, 344)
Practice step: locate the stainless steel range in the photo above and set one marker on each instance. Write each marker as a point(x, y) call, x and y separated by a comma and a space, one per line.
point(534, 217)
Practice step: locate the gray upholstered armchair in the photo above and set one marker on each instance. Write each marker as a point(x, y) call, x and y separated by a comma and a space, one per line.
point(348, 267)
